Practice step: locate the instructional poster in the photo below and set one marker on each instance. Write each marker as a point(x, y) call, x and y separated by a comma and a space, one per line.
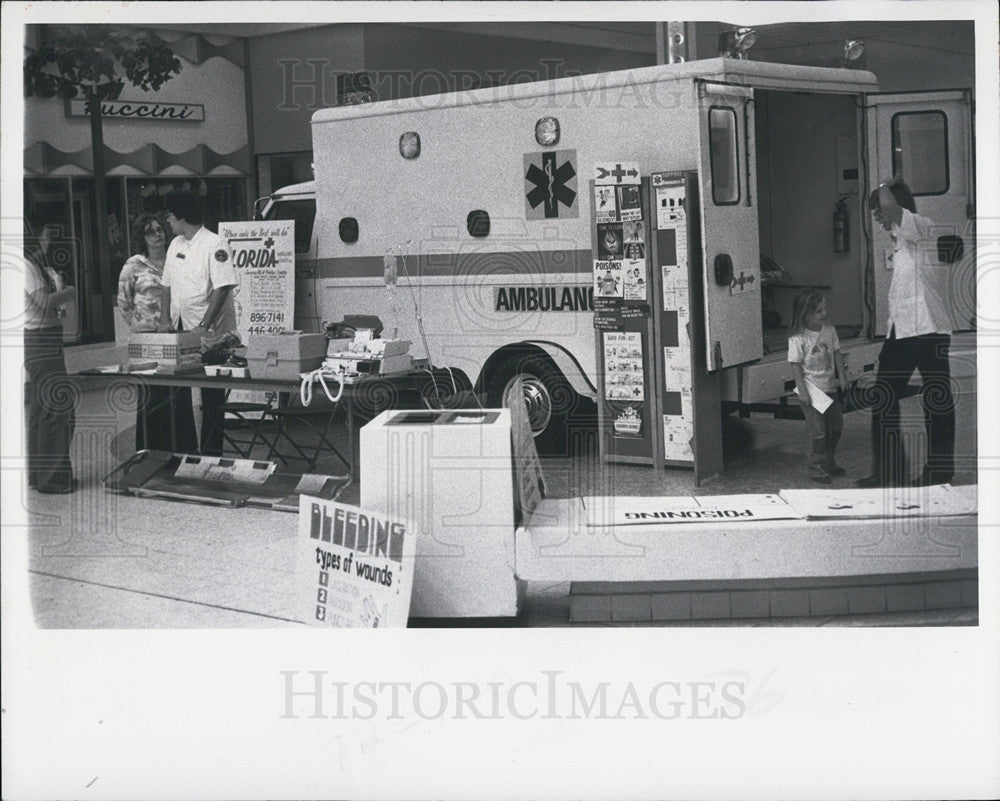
point(623, 366)
point(609, 240)
point(627, 420)
point(670, 206)
point(605, 204)
point(629, 203)
point(634, 279)
point(608, 281)
point(264, 258)
point(354, 568)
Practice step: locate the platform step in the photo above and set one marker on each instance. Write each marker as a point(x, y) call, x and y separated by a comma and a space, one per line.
point(637, 601)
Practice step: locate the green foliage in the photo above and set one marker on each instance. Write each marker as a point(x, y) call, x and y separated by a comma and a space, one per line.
point(94, 61)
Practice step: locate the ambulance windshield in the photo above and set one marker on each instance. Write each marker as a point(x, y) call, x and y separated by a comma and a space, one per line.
point(303, 211)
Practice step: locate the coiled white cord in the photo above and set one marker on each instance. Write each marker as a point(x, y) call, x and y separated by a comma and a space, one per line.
point(320, 375)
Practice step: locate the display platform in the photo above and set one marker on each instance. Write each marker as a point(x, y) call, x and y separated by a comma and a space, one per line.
point(219, 480)
point(561, 543)
point(900, 551)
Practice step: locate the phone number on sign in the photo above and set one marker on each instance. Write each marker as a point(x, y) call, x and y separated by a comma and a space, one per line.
point(267, 317)
point(265, 329)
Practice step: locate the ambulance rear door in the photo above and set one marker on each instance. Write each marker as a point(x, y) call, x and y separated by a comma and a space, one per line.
point(731, 249)
point(926, 139)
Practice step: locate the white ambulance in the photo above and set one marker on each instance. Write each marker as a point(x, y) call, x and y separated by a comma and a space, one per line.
point(492, 218)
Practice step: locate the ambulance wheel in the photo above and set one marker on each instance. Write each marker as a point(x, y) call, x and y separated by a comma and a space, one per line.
point(446, 389)
point(548, 396)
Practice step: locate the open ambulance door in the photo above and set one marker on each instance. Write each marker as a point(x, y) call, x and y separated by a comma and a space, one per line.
point(926, 139)
point(731, 247)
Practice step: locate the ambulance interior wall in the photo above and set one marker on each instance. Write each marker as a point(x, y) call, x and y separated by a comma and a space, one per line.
point(797, 188)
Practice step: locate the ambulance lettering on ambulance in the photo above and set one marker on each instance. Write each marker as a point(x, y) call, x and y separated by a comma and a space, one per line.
point(495, 231)
point(543, 298)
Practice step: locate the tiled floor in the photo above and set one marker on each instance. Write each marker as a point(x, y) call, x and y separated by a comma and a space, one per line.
point(71, 587)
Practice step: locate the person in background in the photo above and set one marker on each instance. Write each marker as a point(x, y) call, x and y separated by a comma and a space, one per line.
point(50, 398)
point(919, 339)
point(814, 352)
point(139, 297)
point(198, 277)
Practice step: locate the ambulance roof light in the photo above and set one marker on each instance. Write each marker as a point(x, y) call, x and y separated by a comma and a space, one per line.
point(854, 49)
point(736, 42)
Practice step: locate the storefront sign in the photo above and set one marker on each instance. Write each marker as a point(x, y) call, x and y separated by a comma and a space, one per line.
point(140, 110)
point(354, 568)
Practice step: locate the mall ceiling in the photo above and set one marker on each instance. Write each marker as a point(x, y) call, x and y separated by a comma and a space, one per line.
point(942, 35)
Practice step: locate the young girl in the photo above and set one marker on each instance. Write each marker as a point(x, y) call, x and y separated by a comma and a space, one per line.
point(814, 352)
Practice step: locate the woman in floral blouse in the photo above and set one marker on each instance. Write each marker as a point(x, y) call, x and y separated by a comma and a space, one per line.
point(139, 282)
point(139, 293)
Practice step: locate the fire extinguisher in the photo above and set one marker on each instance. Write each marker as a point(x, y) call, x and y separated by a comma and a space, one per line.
point(841, 227)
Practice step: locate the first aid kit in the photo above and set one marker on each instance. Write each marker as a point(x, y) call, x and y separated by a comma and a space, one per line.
point(174, 352)
point(285, 355)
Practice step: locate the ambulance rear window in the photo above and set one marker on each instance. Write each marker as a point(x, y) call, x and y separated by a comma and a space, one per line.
point(304, 214)
point(920, 150)
point(724, 156)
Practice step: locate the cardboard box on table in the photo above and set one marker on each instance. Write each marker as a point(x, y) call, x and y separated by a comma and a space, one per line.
point(285, 354)
point(174, 352)
point(450, 473)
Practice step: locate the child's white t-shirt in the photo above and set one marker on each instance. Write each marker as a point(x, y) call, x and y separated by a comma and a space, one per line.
point(814, 351)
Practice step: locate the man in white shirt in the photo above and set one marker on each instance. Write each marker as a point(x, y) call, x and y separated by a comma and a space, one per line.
point(919, 339)
point(198, 277)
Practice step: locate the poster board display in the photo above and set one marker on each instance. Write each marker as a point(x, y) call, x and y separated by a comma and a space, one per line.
point(674, 316)
point(264, 258)
point(627, 397)
point(690, 397)
point(354, 568)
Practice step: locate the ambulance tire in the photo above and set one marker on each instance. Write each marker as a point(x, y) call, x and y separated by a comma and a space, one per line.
point(446, 389)
point(549, 397)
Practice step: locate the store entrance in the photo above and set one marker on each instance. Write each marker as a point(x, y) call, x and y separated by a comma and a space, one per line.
point(67, 205)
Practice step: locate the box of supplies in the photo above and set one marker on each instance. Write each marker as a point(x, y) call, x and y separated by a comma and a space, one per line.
point(173, 352)
point(285, 355)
